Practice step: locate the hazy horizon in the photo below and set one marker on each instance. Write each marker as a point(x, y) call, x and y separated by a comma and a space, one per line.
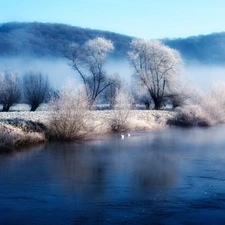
point(59, 71)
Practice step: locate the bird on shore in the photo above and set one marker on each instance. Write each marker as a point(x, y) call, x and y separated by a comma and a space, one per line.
point(122, 136)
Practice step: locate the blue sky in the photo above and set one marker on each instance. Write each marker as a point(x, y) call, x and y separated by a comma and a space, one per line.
point(149, 19)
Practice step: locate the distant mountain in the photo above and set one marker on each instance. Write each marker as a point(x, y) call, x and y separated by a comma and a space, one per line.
point(207, 49)
point(45, 39)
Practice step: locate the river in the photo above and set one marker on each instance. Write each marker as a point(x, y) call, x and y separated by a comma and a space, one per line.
point(172, 176)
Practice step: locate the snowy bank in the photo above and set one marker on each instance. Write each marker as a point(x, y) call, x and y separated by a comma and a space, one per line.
point(22, 127)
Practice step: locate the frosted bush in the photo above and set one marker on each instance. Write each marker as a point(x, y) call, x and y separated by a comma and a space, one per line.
point(205, 108)
point(214, 103)
point(70, 116)
point(121, 110)
point(192, 115)
point(12, 137)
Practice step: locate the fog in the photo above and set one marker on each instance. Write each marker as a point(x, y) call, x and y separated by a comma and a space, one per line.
point(121, 68)
point(203, 76)
point(59, 70)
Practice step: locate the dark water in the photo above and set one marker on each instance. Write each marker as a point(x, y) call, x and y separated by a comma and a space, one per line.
point(175, 176)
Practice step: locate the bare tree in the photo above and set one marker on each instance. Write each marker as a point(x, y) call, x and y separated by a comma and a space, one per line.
point(10, 90)
point(35, 89)
point(88, 61)
point(156, 67)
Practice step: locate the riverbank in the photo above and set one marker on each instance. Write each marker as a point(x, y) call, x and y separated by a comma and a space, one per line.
point(22, 127)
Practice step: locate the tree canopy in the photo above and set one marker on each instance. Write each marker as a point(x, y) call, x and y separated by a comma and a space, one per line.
point(88, 61)
point(156, 68)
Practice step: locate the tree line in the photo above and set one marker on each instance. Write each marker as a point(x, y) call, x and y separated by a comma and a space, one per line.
point(156, 76)
point(33, 89)
point(157, 83)
point(156, 71)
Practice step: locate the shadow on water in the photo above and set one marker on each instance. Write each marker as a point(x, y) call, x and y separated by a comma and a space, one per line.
point(174, 176)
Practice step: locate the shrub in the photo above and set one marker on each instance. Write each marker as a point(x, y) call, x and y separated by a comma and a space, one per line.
point(121, 110)
point(26, 125)
point(205, 109)
point(214, 103)
point(12, 138)
point(192, 115)
point(70, 115)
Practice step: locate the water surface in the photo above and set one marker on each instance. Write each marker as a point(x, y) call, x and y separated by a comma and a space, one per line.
point(174, 176)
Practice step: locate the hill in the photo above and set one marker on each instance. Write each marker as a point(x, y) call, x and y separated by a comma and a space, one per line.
point(207, 49)
point(45, 39)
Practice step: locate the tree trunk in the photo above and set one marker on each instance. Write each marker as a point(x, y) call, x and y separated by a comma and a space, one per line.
point(158, 103)
point(147, 105)
point(91, 104)
point(157, 106)
point(34, 107)
point(6, 107)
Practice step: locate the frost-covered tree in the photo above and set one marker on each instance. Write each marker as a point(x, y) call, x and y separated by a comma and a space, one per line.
point(35, 89)
point(156, 68)
point(88, 61)
point(10, 90)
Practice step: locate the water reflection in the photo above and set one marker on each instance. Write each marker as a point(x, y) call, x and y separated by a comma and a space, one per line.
point(95, 167)
point(151, 177)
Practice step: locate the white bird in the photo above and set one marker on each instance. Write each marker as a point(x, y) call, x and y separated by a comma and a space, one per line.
point(128, 135)
point(122, 136)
